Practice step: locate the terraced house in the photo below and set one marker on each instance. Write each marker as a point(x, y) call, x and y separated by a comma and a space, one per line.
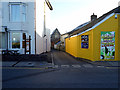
point(98, 39)
point(24, 26)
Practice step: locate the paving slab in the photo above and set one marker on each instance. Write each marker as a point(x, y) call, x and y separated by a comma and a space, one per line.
point(8, 64)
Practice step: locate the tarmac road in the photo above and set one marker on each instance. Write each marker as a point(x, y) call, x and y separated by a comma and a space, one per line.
point(69, 73)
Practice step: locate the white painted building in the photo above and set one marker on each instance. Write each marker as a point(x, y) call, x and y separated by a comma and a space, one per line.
point(29, 17)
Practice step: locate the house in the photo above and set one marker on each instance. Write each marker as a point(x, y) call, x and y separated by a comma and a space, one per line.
point(24, 26)
point(98, 39)
point(55, 37)
point(61, 44)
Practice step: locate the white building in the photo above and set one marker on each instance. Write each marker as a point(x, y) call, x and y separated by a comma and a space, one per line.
point(25, 17)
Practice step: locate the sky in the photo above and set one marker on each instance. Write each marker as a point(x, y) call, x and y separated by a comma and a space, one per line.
point(68, 14)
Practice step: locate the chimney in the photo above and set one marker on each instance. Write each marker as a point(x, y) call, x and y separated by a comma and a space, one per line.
point(93, 17)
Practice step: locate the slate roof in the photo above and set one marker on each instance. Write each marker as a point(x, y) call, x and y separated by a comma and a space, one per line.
point(90, 24)
point(56, 30)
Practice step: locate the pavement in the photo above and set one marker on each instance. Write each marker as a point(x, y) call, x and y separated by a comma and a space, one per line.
point(41, 61)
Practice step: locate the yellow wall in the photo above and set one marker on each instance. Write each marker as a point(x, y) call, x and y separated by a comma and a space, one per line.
point(109, 25)
point(86, 53)
point(119, 37)
point(73, 44)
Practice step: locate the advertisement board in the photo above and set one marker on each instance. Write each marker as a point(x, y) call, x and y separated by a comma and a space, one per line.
point(107, 45)
point(84, 41)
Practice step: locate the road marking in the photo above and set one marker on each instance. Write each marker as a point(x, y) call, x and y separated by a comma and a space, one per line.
point(65, 66)
point(24, 68)
point(88, 65)
point(76, 66)
point(113, 67)
point(100, 66)
point(56, 66)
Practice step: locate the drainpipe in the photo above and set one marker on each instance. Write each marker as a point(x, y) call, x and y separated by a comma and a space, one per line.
point(7, 37)
point(35, 22)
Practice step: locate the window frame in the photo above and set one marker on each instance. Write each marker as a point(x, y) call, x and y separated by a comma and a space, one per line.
point(21, 11)
point(10, 40)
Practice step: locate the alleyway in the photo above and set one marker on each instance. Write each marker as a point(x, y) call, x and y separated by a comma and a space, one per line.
point(62, 59)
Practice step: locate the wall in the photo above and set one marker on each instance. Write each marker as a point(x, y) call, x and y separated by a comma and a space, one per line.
point(71, 46)
point(83, 52)
point(118, 37)
point(42, 27)
point(110, 24)
point(22, 27)
point(39, 25)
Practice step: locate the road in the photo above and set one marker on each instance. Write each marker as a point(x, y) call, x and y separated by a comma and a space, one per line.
point(69, 73)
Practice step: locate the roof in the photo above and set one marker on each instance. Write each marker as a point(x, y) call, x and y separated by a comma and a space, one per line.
point(55, 31)
point(80, 26)
point(90, 24)
point(58, 43)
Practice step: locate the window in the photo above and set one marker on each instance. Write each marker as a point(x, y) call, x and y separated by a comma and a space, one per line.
point(2, 41)
point(15, 40)
point(17, 12)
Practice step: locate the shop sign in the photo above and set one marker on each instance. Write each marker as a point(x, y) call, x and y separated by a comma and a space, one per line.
point(107, 45)
point(84, 41)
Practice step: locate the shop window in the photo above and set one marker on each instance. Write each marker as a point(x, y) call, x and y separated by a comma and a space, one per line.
point(15, 40)
point(2, 41)
point(17, 12)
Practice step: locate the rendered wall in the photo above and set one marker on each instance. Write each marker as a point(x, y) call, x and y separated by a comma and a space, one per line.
point(86, 53)
point(110, 24)
point(118, 37)
point(22, 27)
point(73, 45)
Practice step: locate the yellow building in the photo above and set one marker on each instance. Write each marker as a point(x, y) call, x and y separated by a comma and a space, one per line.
point(98, 39)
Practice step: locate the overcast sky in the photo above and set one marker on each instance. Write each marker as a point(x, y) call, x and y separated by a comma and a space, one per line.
point(68, 14)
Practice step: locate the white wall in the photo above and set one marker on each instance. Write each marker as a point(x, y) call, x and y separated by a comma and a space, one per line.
point(41, 44)
point(26, 27)
point(39, 25)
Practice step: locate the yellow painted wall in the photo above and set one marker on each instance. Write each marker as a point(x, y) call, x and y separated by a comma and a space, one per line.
point(119, 37)
point(73, 44)
point(83, 52)
point(109, 25)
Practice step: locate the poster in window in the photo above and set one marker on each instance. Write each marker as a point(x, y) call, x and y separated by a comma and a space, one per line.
point(107, 45)
point(84, 41)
